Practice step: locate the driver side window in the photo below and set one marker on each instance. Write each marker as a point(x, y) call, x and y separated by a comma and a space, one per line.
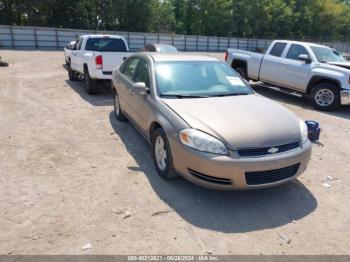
point(296, 50)
point(142, 73)
point(77, 45)
point(130, 67)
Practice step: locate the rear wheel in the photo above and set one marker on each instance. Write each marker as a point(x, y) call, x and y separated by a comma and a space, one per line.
point(91, 85)
point(117, 108)
point(242, 72)
point(162, 156)
point(325, 96)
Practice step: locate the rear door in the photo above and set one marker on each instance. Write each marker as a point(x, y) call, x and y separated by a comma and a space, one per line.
point(295, 72)
point(271, 65)
point(124, 88)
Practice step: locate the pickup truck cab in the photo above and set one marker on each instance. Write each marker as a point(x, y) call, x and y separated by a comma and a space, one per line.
point(94, 57)
point(298, 68)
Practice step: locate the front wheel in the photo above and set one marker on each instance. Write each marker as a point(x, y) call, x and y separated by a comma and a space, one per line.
point(73, 76)
point(162, 156)
point(325, 97)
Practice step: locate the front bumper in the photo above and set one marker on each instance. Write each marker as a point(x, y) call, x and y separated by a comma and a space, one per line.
point(345, 96)
point(228, 168)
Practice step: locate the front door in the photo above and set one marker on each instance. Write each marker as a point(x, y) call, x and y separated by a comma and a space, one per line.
point(295, 72)
point(142, 102)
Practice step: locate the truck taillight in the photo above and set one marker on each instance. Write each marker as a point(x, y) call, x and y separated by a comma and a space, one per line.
point(99, 62)
point(226, 55)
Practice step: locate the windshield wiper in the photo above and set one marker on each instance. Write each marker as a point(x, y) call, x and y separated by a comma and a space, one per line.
point(185, 96)
point(233, 94)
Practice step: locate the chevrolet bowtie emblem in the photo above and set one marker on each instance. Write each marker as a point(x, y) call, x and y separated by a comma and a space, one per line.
point(273, 150)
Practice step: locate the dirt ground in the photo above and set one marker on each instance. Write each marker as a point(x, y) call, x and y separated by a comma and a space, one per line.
point(70, 175)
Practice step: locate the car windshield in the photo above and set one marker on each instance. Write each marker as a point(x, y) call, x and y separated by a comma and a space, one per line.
point(325, 55)
point(166, 49)
point(106, 44)
point(198, 79)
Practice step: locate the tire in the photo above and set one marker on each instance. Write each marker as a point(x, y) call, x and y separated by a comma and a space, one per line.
point(325, 96)
point(91, 85)
point(73, 76)
point(242, 72)
point(165, 170)
point(117, 108)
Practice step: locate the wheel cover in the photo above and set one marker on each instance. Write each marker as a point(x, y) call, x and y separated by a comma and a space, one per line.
point(160, 153)
point(116, 104)
point(324, 97)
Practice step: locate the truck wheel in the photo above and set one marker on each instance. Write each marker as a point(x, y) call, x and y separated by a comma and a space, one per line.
point(117, 108)
point(90, 84)
point(242, 72)
point(73, 76)
point(162, 156)
point(325, 96)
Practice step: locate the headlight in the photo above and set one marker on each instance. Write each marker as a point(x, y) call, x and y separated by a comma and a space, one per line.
point(304, 131)
point(203, 142)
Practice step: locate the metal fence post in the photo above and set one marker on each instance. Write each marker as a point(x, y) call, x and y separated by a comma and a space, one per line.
point(185, 48)
point(57, 42)
point(218, 44)
point(36, 39)
point(172, 39)
point(197, 43)
point(207, 43)
point(128, 38)
point(238, 43)
point(228, 42)
point(144, 40)
point(12, 38)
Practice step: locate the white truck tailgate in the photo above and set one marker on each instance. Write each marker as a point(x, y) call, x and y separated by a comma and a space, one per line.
point(111, 60)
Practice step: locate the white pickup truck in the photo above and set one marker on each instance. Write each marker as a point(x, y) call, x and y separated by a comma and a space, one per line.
point(95, 57)
point(298, 68)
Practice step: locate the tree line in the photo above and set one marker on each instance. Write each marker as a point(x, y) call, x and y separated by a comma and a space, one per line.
point(292, 19)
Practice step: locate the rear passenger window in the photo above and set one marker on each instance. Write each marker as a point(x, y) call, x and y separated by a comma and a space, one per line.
point(296, 50)
point(130, 67)
point(277, 49)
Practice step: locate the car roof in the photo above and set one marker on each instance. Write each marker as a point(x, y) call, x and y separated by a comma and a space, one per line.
point(159, 57)
point(300, 42)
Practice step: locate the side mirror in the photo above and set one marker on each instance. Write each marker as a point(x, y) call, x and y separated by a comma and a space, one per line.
point(305, 58)
point(141, 87)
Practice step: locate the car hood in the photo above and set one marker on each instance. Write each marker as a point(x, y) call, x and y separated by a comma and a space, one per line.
point(246, 121)
point(340, 64)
